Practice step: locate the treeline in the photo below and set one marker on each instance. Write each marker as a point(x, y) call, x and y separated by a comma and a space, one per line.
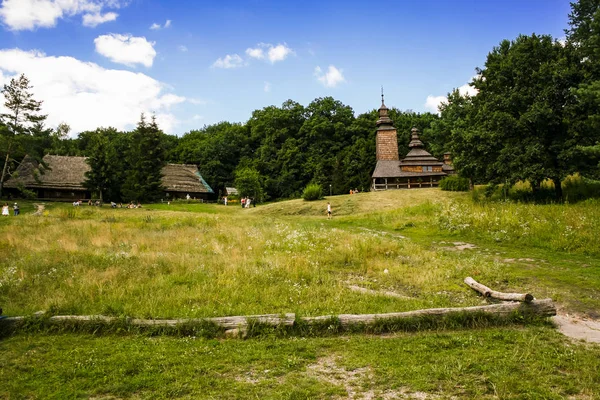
point(282, 148)
point(535, 117)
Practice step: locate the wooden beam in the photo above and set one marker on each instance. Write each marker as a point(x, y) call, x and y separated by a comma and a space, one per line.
point(544, 308)
point(487, 292)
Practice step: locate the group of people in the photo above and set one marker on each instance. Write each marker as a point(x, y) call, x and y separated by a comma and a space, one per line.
point(355, 191)
point(6, 212)
point(246, 201)
point(130, 205)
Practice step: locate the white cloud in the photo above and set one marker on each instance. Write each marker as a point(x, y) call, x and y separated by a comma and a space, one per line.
point(126, 49)
point(87, 96)
point(279, 53)
point(267, 87)
point(93, 20)
point(182, 48)
point(156, 26)
point(229, 61)
point(432, 103)
point(331, 78)
point(255, 53)
point(30, 14)
point(272, 53)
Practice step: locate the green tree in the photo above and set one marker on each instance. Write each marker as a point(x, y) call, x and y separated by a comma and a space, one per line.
point(23, 116)
point(248, 182)
point(145, 160)
point(518, 123)
point(106, 164)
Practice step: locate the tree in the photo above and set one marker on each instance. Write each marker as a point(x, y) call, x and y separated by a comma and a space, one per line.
point(519, 122)
point(106, 164)
point(22, 116)
point(145, 159)
point(248, 183)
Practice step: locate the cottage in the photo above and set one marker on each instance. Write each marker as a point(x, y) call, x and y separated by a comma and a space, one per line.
point(417, 170)
point(61, 180)
point(64, 177)
point(183, 180)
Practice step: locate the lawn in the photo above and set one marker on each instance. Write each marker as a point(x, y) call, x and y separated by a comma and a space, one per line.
point(197, 260)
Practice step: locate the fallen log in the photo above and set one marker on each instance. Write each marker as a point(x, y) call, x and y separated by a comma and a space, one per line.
point(224, 322)
point(543, 308)
point(487, 292)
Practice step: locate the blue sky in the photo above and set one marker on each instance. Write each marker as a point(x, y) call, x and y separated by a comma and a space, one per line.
point(98, 62)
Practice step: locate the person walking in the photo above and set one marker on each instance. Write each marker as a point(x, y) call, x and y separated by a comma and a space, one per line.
point(243, 201)
point(5, 210)
point(328, 210)
point(16, 209)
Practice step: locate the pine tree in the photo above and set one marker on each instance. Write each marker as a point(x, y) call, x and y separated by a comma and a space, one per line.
point(23, 114)
point(146, 158)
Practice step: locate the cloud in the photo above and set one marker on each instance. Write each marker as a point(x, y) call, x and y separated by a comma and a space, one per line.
point(30, 14)
point(93, 20)
point(126, 49)
point(87, 96)
point(156, 26)
point(331, 78)
point(256, 53)
point(272, 53)
point(182, 48)
point(229, 61)
point(267, 87)
point(432, 103)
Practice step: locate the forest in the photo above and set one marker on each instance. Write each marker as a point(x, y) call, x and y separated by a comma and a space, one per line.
point(535, 118)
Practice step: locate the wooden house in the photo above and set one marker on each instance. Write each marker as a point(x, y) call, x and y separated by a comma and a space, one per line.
point(418, 169)
point(64, 177)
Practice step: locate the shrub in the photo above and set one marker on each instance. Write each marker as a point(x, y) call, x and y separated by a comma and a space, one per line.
point(455, 184)
point(312, 192)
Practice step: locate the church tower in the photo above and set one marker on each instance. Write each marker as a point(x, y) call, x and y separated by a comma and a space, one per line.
point(386, 142)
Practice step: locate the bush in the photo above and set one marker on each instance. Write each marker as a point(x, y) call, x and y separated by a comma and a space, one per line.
point(455, 184)
point(312, 192)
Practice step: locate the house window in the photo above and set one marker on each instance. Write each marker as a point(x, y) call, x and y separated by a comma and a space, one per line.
point(427, 169)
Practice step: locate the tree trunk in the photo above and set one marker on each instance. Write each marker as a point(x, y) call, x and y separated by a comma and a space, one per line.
point(558, 189)
point(487, 292)
point(5, 168)
point(544, 308)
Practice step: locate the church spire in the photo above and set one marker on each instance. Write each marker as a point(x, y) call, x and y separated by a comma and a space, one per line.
point(384, 118)
point(415, 142)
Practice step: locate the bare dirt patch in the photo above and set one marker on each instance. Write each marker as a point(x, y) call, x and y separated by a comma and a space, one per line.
point(357, 382)
point(386, 293)
point(578, 327)
point(458, 246)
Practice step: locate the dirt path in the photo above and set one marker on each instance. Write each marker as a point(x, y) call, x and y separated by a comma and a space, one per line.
point(578, 328)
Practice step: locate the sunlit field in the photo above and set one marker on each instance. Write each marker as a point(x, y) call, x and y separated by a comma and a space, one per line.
point(187, 260)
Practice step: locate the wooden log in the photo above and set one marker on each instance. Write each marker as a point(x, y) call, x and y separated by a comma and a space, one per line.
point(487, 292)
point(225, 322)
point(544, 308)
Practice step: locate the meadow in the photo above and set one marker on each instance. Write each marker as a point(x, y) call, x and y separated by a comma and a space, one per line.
point(187, 260)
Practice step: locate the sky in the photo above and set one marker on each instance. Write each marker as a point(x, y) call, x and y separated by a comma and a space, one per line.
point(100, 63)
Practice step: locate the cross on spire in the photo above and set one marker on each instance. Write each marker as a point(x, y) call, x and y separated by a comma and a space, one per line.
point(381, 94)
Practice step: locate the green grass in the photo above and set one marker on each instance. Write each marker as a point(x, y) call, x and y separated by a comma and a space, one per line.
point(500, 363)
point(193, 260)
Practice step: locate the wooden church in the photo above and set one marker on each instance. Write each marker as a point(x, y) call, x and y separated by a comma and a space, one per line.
point(419, 169)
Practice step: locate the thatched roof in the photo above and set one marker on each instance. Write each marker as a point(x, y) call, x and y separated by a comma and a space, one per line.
point(66, 173)
point(184, 178)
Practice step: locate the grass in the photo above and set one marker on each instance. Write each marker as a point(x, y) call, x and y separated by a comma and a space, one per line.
point(191, 260)
point(501, 363)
